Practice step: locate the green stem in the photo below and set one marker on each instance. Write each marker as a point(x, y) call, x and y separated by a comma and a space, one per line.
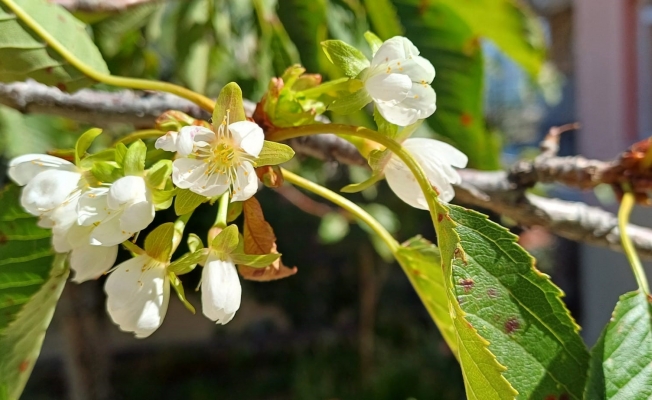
point(144, 84)
point(179, 226)
point(143, 134)
point(626, 205)
point(348, 205)
point(133, 247)
point(222, 211)
point(393, 146)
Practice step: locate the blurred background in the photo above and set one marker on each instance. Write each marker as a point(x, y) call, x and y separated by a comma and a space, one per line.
point(348, 325)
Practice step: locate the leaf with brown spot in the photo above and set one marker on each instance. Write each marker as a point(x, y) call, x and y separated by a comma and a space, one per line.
point(259, 238)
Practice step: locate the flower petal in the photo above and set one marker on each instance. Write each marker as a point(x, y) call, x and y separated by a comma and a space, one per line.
point(249, 136)
point(90, 262)
point(92, 206)
point(186, 171)
point(109, 232)
point(396, 48)
point(396, 114)
point(423, 147)
point(137, 217)
point(127, 190)
point(48, 190)
point(246, 184)
point(137, 296)
point(23, 168)
point(167, 142)
point(388, 87)
point(427, 67)
point(421, 98)
point(221, 290)
point(404, 184)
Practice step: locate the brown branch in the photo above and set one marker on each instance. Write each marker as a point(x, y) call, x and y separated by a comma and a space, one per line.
point(501, 192)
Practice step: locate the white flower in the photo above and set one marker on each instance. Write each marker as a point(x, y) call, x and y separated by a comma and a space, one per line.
point(398, 81)
point(138, 292)
point(118, 212)
point(216, 162)
point(437, 160)
point(220, 289)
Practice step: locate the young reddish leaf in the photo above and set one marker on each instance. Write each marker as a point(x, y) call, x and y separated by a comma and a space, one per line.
point(259, 238)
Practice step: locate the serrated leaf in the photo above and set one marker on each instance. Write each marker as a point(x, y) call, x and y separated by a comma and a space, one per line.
point(274, 153)
point(134, 160)
point(621, 361)
point(230, 99)
point(226, 241)
point(346, 57)
point(513, 306)
point(24, 54)
point(84, 142)
point(186, 201)
point(158, 243)
point(31, 280)
point(178, 287)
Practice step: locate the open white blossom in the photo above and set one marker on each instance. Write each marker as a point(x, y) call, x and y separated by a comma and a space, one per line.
point(138, 292)
point(437, 160)
point(220, 289)
point(398, 81)
point(216, 162)
point(116, 213)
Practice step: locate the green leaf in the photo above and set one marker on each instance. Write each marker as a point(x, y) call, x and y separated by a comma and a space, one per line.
point(120, 153)
point(178, 287)
point(104, 155)
point(374, 41)
point(229, 101)
point(384, 127)
point(106, 171)
point(378, 159)
point(227, 240)
point(307, 25)
point(163, 198)
point(194, 242)
point(516, 308)
point(31, 279)
point(188, 261)
point(274, 153)
point(333, 228)
point(158, 174)
point(621, 361)
point(348, 103)
point(186, 201)
point(384, 18)
point(134, 160)
point(158, 243)
point(346, 57)
point(24, 54)
point(234, 211)
point(254, 260)
point(84, 142)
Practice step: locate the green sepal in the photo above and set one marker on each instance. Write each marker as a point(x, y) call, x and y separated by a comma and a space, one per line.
point(385, 128)
point(194, 242)
point(158, 174)
point(226, 241)
point(274, 153)
point(163, 198)
point(346, 57)
point(373, 40)
point(120, 153)
point(158, 244)
point(378, 159)
point(408, 131)
point(186, 201)
point(134, 160)
point(105, 155)
point(359, 187)
point(84, 142)
point(254, 260)
point(106, 171)
point(178, 287)
point(234, 211)
point(187, 262)
point(230, 99)
point(350, 102)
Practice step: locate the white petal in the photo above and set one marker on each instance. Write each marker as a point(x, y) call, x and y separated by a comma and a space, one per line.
point(422, 98)
point(249, 136)
point(200, 134)
point(396, 114)
point(138, 295)
point(395, 48)
point(382, 86)
point(186, 171)
point(127, 190)
point(60, 240)
point(167, 142)
point(79, 235)
point(210, 191)
point(92, 206)
point(48, 190)
point(109, 231)
point(90, 262)
point(137, 217)
point(246, 184)
point(221, 290)
point(423, 147)
point(22, 169)
point(427, 67)
point(404, 185)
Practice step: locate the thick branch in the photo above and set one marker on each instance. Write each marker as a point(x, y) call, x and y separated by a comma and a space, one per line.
point(500, 192)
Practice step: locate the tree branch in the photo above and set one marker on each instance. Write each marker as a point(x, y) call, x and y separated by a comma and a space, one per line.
point(501, 192)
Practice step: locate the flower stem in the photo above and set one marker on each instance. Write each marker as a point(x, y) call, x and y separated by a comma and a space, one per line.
point(142, 134)
point(179, 226)
point(626, 205)
point(222, 211)
point(346, 204)
point(144, 84)
point(133, 247)
point(361, 132)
